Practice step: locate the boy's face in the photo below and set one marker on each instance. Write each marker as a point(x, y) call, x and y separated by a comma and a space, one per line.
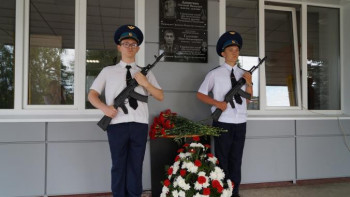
point(231, 53)
point(128, 48)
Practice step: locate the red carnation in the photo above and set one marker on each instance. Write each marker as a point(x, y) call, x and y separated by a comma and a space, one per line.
point(201, 179)
point(168, 111)
point(167, 124)
point(170, 171)
point(216, 184)
point(166, 183)
point(196, 138)
point(180, 150)
point(207, 145)
point(206, 191)
point(163, 132)
point(183, 172)
point(177, 158)
point(198, 163)
point(186, 145)
point(210, 155)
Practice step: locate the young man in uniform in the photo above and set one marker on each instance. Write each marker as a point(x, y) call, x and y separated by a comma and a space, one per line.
point(229, 146)
point(127, 133)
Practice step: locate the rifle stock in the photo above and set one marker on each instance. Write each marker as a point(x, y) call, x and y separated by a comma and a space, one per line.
point(119, 100)
point(229, 95)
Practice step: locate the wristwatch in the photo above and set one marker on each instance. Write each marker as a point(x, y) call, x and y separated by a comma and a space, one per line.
point(249, 84)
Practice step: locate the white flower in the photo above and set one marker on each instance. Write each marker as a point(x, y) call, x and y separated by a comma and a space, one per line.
point(182, 183)
point(212, 159)
point(165, 190)
point(176, 167)
point(230, 186)
point(182, 155)
point(175, 193)
point(226, 193)
point(217, 174)
point(182, 194)
point(199, 145)
point(198, 195)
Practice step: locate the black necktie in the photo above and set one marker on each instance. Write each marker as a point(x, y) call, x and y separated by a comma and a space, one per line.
point(238, 98)
point(132, 101)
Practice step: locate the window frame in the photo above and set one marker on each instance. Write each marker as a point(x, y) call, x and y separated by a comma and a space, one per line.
point(57, 112)
point(265, 110)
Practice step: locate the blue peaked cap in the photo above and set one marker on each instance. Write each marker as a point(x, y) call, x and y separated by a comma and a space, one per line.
point(128, 31)
point(227, 39)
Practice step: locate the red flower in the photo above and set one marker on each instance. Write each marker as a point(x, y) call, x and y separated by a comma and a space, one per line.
point(195, 138)
point(192, 151)
point(167, 124)
point(170, 171)
point(163, 132)
point(201, 179)
point(161, 117)
point(166, 182)
point(216, 184)
point(183, 172)
point(168, 111)
point(210, 155)
point(198, 163)
point(186, 145)
point(177, 158)
point(180, 150)
point(206, 191)
point(207, 145)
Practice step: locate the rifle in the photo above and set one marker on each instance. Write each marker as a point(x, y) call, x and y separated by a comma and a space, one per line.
point(236, 90)
point(128, 92)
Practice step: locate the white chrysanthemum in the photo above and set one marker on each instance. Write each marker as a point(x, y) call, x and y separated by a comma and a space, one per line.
point(230, 186)
point(217, 174)
point(195, 145)
point(182, 183)
point(198, 195)
point(191, 167)
point(226, 193)
point(176, 167)
point(165, 190)
point(175, 193)
point(182, 155)
point(182, 194)
point(212, 159)
point(188, 154)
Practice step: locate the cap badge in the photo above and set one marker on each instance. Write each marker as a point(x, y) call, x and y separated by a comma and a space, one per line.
point(233, 42)
point(232, 32)
point(130, 34)
point(131, 27)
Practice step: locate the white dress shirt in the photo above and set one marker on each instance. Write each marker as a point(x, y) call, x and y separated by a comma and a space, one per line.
point(112, 79)
point(218, 82)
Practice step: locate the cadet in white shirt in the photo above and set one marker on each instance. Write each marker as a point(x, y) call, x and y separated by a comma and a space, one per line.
point(228, 146)
point(127, 133)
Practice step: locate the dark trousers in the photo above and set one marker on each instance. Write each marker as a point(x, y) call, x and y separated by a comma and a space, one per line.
point(127, 143)
point(229, 150)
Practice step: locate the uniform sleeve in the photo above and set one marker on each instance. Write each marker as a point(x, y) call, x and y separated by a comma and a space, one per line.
point(100, 82)
point(208, 84)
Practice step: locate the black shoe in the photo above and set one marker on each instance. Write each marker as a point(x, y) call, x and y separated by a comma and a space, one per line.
point(235, 195)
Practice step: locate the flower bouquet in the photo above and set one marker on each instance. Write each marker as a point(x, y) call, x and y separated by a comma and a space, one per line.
point(195, 173)
point(170, 125)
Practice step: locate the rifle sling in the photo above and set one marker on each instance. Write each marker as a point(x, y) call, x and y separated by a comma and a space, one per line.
point(139, 97)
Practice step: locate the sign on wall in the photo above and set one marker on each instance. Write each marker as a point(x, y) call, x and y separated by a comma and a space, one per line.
point(183, 30)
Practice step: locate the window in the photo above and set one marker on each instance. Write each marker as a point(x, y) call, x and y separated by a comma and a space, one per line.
point(282, 65)
point(323, 59)
point(242, 16)
point(7, 52)
point(103, 18)
point(51, 53)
